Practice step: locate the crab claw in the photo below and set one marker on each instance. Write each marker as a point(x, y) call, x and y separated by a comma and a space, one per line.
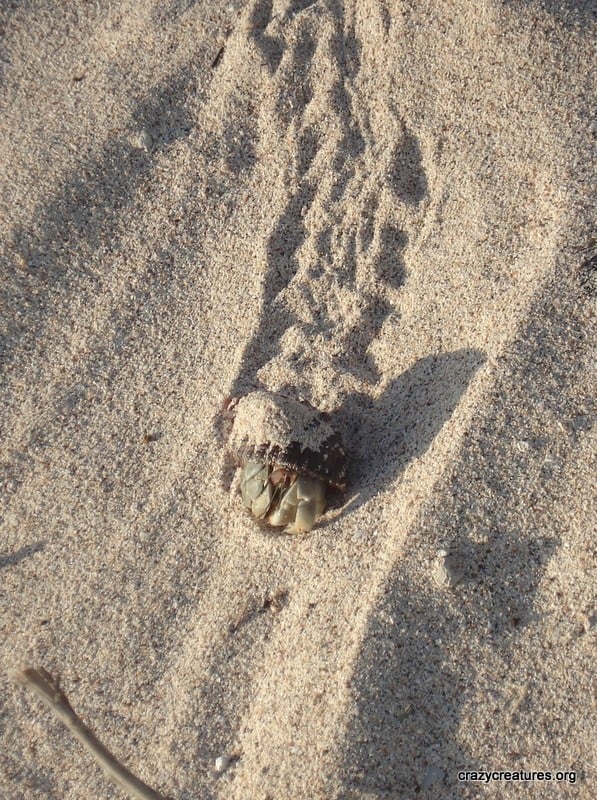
point(256, 490)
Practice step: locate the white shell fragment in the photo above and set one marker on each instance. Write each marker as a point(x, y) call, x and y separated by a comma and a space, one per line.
point(221, 764)
point(142, 140)
point(446, 573)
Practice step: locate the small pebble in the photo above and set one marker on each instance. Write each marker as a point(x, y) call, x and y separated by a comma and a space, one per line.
point(221, 764)
point(433, 775)
point(142, 140)
point(445, 572)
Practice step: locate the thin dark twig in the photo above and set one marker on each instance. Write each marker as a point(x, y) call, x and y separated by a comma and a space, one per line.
point(46, 687)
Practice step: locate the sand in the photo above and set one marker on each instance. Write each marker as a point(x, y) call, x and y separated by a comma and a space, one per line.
point(382, 207)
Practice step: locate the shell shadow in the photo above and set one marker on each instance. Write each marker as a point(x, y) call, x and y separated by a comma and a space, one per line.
point(384, 435)
point(503, 528)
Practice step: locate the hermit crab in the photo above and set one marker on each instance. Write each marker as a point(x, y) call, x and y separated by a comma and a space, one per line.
point(289, 458)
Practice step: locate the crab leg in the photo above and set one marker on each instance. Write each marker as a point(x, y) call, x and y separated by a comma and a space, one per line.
point(260, 506)
point(285, 512)
point(305, 517)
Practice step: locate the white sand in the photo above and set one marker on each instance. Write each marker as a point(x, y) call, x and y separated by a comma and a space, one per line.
point(380, 206)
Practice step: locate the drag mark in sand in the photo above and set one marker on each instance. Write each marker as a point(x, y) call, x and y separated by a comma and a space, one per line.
point(356, 194)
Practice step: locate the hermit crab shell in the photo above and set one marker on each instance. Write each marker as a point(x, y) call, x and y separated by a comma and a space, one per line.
point(289, 433)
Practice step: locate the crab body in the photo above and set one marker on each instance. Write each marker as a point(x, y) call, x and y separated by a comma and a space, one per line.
point(289, 458)
point(281, 496)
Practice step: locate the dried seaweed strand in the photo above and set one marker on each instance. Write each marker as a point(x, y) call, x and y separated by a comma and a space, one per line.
point(44, 685)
